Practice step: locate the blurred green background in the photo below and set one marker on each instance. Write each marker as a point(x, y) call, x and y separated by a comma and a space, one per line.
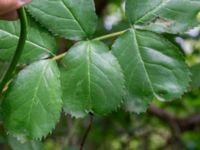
point(165, 126)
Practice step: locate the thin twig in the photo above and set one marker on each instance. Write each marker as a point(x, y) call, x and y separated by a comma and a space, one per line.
point(104, 37)
point(190, 122)
point(87, 132)
point(111, 35)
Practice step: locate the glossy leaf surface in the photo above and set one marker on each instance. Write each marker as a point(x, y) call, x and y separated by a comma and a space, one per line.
point(171, 16)
point(153, 68)
point(33, 103)
point(91, 79)
point(71, 19)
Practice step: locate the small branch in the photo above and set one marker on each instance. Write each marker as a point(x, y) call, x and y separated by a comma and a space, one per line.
point(19, 49)
point(61, 56)
point(86, 132)
point(174, 123)
point(182, 124)
point(189, 123)
point(111, 35)
point(166, 117)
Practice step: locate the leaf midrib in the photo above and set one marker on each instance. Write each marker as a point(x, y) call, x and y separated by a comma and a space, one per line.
point(89, 73)
point(28, 41)
point(163, 2)
point(75, 18)
point(141, 60)
point(36, 91)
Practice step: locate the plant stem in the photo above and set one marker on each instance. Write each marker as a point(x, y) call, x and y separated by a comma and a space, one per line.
point(19, 49)
point(109, 35)
point(60, 56)
point(87, 132)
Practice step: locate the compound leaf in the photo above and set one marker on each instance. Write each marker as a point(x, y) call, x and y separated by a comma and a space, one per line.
point(33, 103)
point(39, 44)
point(71, 19)
point(171, 16)
point(91, 79)
point(153, 68)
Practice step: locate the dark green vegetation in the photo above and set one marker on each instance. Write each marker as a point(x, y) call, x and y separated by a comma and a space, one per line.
point(109, 69)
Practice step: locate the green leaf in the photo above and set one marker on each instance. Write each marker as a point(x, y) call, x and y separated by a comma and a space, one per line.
point(71, 19)
point(171, 16)
point(195, 69)
point(3, 68)
point(91, 79)
point(29, 145)
point(39, 44)
point(33, 103)
point(153, 68)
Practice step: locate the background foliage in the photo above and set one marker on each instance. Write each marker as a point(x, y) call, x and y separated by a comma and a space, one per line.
point(171, 125)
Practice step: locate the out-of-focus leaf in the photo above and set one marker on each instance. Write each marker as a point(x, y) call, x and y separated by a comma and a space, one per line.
point(29, 145)
point(195, 76)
